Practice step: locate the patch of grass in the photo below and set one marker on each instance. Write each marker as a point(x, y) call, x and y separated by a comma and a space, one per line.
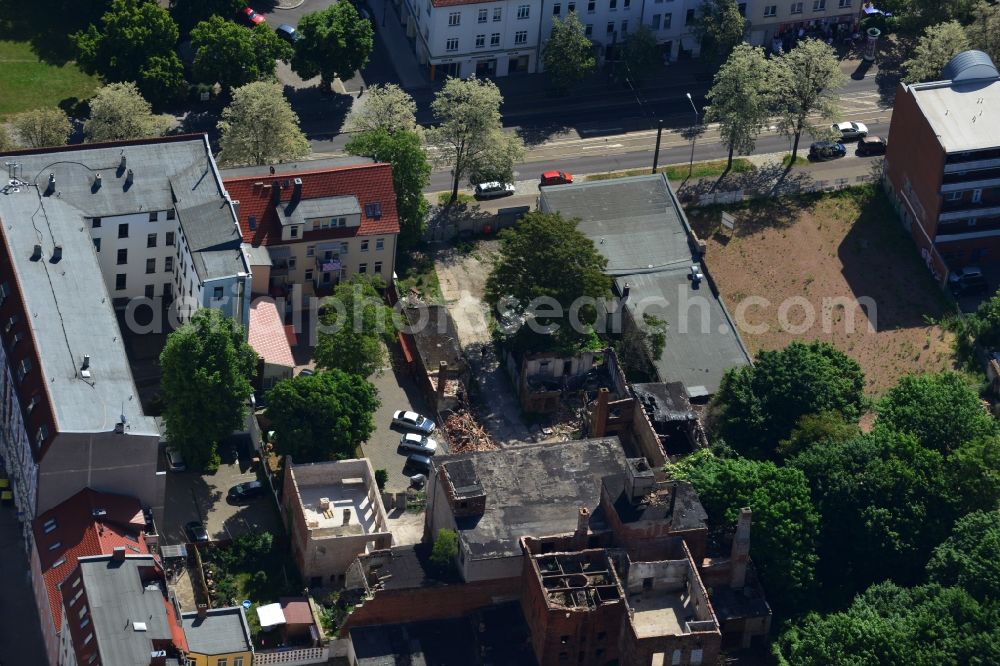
point(28, 83)
point(415, 269)
point(799, 160)
point(463, 198)
point(680, 171)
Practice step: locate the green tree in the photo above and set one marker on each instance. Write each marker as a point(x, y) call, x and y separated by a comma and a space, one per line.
point(232, 55)
point(207, 367)
point(895, 626)
point(806, 81)
point(445, 550)
point(335, 43)
point(640, 55)
point(496, 163)
point(741, 100)
point(546, 257)
point(119, 112)
point(933, 11)
point(984, 326)
point(42, 127)
point(984, 30)
point(189, 13)
point(758, 406)
point(135, 42)
point(784, 521)
point(321, 417)
point(568, 55)
point(816, 429)
point(385, 107)
point(968, 558)
point(721, 28)
point(356, 325)
point(411, 172)
point(939, 44)
point(259, 127)
point(942, 411)
point(468, 131)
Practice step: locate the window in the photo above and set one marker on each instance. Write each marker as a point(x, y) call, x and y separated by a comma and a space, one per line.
point(168, 265)
point(497, 14)
point(480, 41)
point(122, 256)
point(626, 4)
point(10, 323)
point(364, 246)
point(689, 17)
point(483, 14)
point(31, 405)
point(83, 611)
point(953, 196)
point(743, 9)
point(667, 20)
point(222, 661)
point(217, 293)
point(24, 368)
point(495, 39)
point(120, 281)
point(362, 268)
point(76, 597)
point(819, 5)
point(150, 266)
point(150, 240)
point(310, 250)
point(148, 291)
point(654, 24)
point(315, 225)
point(845, 3)
point(237, 661)
point(97, 244)
point(169, 240)
point(95, 223)
point(589, 30)
point(90, 637)
point(341, 221)
point(171, 214)
point(378, 266)
point(611, 27)
point(58, 563)
point(770, 10)
point(570, 7)
point(796, 8)
point(624, 28)
point(455, 18)
point(294, 231)
point(521, 37)
point(49, 526)
point(343, 248)
point(977, 195)
point(612, 5)
point(379, 243)
point(309, 275)
point(154, 216)
point(556, 9)
point(123, 230)
point(523, 11)
point(252, 222)
point(451, 44)
point(591, 6)
point(291, 262)
point(84, 622)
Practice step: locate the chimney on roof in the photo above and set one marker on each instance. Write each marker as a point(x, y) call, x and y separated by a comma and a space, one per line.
point(97, 182)
point(741, 551)
point(56, 253)
point(123, 163)
point(625, 291)
point(202, 611)
point(347, 516)
point(639, 478)
point(52, 185)
point(118, 554)
point(129, 177)
point(582, 526)
point(599, 419)
point(36, 253)
point(86, 362)
point(275, 192)
point(298, 187)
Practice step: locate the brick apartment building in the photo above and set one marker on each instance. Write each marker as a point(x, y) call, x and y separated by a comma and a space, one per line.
point(942, 166)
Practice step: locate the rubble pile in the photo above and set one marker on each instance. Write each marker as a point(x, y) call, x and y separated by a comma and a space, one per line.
point(465, 434)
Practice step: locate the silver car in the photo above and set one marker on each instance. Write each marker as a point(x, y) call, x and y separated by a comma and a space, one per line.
point(850, 131)
point(411, 442)
point(413, 421)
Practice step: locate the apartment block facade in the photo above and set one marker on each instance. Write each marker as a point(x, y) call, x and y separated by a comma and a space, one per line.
point(771, 18)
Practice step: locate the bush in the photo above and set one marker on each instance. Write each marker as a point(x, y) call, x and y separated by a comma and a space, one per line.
point(381, 478)
point(445, 550)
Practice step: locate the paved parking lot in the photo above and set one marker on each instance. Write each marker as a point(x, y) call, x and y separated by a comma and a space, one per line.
point(193, 496)
point(396, 390)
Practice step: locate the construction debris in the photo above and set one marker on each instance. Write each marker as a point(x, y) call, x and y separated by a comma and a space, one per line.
point(465, 434)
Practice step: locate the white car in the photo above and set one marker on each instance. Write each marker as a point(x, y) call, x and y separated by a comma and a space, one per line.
point(413, 421)
point(494, 190)
point(849, 131)
point(411, 442)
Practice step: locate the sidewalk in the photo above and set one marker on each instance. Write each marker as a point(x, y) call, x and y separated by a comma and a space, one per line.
point(389, 29)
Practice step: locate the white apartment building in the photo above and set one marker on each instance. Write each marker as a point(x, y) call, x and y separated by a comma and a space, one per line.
point(771, 18)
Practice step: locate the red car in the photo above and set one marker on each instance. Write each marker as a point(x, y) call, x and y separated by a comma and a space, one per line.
point(253, 17)
point(556, 178)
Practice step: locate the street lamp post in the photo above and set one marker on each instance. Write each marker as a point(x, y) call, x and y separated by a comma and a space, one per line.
point(693, 135)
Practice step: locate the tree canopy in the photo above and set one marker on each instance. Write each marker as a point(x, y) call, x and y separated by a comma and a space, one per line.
point(741, 99)
point(135, 42)
point(640, 55)
point(385, 107)
point(968, 558)
point(411, 172)
point(355, 325)
point(939, 44)
point(984, 29)
point(806, 81)
point(42, 127)
point(335, 43)
point(259, 127)
point(760, 405)
point(568, 55)
point(720, 27)
point(207, 367)
point(119, 112)
point(232, 55)
point(785, 524)
point(324, 416)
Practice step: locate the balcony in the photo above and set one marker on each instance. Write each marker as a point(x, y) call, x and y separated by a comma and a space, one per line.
point(329, 264)
point(279, 268)
point(970, 180)
point(957, 210)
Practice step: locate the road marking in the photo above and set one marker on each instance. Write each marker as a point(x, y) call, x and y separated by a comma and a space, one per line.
point(610, 145)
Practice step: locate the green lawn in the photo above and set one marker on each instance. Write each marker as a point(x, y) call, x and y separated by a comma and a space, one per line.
point(28, 83)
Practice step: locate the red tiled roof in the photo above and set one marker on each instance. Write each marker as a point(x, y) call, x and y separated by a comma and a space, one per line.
point(81, 534)
point(370, 183)
point(267, 333)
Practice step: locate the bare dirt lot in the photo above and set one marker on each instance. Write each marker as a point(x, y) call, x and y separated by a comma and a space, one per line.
point(804, 268)
point(462, 271)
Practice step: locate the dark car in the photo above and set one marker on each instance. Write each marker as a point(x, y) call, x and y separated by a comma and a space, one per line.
point(871, 145)
point(826, 150)
point(288, 33)
point(243, 492)
point(196, 532)
point(969, 280)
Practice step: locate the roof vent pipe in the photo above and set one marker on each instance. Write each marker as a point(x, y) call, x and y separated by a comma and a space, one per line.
point(128, 178)
point(36, 253)
point(56, 253)
point(52, 184)
point(123, 163)
point(97, 182)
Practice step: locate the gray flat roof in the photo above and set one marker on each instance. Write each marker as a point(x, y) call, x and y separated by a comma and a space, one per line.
point(534, 490)
point(117, 599)
point(965, 116)
point(639, 226)
point(223, 630)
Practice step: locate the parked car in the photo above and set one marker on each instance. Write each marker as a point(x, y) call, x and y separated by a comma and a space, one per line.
point(826, 150)
point(288, 33)
point(967, 280)
point(411, 442)
point(494, 190)
point(248, 490)
point(871, 145)
point(850, 131)
point(175, 461)
point(306, 372)
point(418, 462)
point(413, 421)
point(196, 532)
point(556, 178)
point(252, 17)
